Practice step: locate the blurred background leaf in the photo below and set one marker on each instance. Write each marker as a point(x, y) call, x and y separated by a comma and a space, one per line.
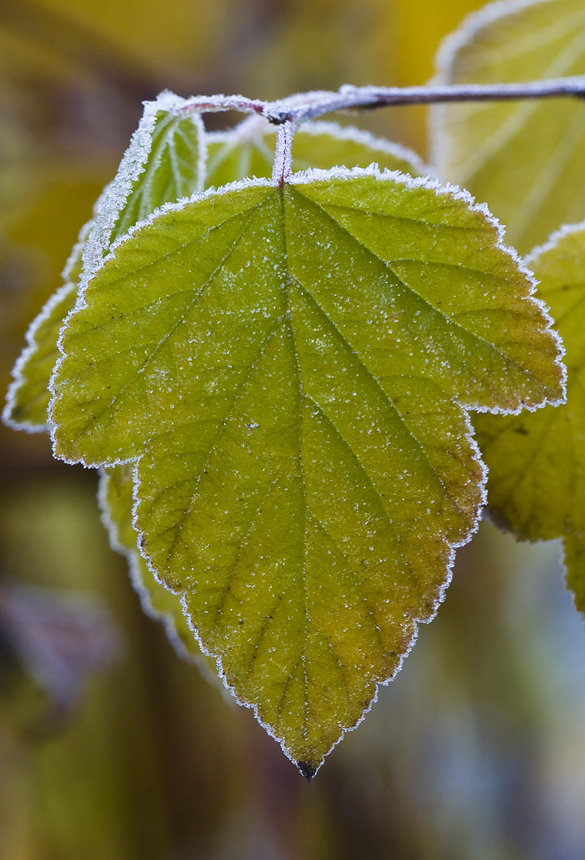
point(525, 158)
point(477, 750)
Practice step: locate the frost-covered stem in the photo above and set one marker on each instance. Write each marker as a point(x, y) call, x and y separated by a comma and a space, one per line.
point(213, 104)
point(350, 97)
point(288, 113)
point(306, 106)
point(282, 167)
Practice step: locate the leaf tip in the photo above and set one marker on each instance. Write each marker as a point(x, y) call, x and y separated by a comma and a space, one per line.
point(307, 769)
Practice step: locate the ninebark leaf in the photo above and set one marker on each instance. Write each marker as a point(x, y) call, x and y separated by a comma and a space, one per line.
point(537, 462)
point(525, 158)
point(287, 366)
point(248, 150)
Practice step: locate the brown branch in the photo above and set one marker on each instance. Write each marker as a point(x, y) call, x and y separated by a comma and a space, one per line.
point(350, 97)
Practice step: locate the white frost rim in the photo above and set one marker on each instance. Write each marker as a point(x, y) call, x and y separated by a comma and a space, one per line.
point(552, 241)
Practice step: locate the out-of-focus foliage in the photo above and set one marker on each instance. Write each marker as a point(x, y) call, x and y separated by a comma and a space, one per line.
point(524, 158)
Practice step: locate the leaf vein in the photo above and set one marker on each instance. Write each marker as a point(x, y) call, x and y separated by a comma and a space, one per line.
point(254, 519)
point(131, 376)
point(420, 446)
point(359, 580)
point(433, 310)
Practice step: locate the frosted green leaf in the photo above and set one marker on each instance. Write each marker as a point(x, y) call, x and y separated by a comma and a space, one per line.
point(525, 158)
point(115, 498)
point(248, 150)
point(173, 168)
point(163, 163)
point(28, 396)
point(284, 366)
point(245, 151)
point(537, 462)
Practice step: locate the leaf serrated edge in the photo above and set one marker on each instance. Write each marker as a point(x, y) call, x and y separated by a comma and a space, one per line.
point(458, 193)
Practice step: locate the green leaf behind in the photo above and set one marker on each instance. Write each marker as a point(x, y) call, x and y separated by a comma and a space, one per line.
point(248, 150)
point(537, 462)
point(282, 364)
point(174, 166)
point(525, 158)
point(28, 397)
point(164, 162)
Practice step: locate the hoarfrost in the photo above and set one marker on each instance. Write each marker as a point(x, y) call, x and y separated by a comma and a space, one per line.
point(131, 167)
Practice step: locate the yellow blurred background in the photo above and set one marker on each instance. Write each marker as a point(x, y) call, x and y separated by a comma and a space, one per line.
point(475, 752)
